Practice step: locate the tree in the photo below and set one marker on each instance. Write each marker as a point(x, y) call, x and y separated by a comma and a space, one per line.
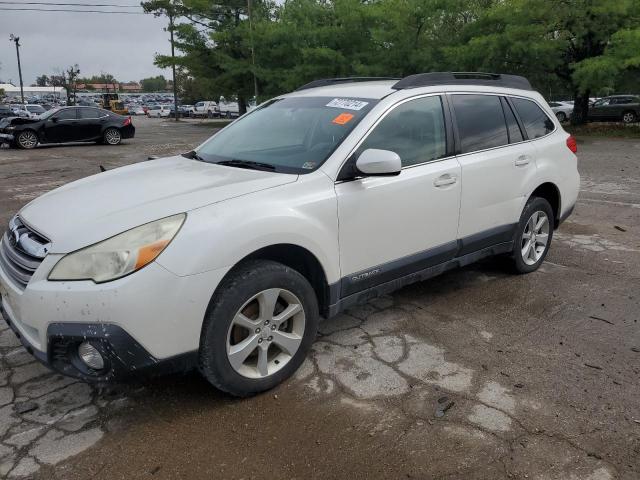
point(42, 81)
point(68, 79)
point(553, 42)
point(153, 84)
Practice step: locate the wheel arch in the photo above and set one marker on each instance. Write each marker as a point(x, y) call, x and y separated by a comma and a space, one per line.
point(300, 259)
point(551, 193)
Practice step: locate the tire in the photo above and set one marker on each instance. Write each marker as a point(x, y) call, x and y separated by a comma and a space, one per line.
point(228, 115)
point(209, 114)
point(526, 259)
point(239, 353)
point(111, 136)
point(27, 139)
point(561, 116)
point(629, 117)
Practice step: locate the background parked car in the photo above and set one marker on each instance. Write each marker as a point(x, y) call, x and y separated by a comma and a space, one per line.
point(158, 111)
point(5, 111)
point(228, 109)
point(35, 110)
point(69, 124)
point(136, 110)
point(562, 110)
point(20, 110)
point(206, 108)
point(625, 108)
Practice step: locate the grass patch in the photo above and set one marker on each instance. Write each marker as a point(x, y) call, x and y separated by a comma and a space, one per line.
point(603, 129)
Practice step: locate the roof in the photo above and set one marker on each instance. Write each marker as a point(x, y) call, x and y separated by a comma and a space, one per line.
point(377, 88)
point(369, 89)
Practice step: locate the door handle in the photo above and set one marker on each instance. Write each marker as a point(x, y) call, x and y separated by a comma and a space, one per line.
point(444, 180)
point(522, 160)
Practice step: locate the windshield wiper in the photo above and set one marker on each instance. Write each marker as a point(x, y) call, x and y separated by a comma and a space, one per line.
point(193, 155)
point(248, 164)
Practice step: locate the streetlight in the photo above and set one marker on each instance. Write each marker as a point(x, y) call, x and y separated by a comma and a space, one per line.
point(15, 39)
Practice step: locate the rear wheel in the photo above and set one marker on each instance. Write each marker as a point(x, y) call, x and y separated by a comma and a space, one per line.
point(629, 117)
point(533, 237)
point(561, 116)
point(112, 136)
point(260, 325)
point(27, 139)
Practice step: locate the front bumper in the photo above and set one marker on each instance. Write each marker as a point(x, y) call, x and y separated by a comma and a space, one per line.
point(6, 138)
point(123, 356)
point(147, 322)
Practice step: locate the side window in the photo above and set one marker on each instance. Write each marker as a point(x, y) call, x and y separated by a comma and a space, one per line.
point(480, 122)
point(535, 121)
point(515, 135)
point(414, 130)
point(66, 114)
point(89, 113)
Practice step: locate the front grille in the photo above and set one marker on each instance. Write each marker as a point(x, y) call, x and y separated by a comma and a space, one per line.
point(21, 252)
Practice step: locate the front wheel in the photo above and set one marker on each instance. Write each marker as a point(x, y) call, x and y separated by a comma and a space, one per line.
point(533, 237)
point(260, 324)
point(112, 136)
point(27, 139)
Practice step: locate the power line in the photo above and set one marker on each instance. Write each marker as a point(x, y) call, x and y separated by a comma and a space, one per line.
point(71, 4)
point(69, 11)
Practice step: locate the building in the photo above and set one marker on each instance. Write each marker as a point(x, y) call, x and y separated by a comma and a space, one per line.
point(11, 90)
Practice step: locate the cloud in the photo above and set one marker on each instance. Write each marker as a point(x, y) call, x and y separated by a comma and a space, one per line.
point(123, 45)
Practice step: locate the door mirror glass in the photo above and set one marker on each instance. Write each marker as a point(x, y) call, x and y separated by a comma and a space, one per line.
point(375, 162)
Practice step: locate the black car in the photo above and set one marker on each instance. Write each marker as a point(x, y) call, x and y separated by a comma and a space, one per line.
point(616, 108)
point(68, 124)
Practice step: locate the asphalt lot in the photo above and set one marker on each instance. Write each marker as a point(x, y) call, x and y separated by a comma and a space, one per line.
point(477, 374)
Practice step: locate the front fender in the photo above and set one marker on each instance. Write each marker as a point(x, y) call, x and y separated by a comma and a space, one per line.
point(302, 213)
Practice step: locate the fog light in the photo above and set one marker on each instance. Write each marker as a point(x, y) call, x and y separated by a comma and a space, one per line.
point(90, 356)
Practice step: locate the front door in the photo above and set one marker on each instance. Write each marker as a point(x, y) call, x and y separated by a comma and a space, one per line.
point(394, 226)
point(62, 126)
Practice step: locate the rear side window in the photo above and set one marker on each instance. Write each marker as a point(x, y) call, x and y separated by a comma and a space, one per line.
point(90, 113)
point(480, 120)
point(414, 130)
point(515, 135)
point(535, 121)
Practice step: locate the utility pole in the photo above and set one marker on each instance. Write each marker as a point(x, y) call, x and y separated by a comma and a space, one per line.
point(15, 39)
point(253, 53)
point(173, 66)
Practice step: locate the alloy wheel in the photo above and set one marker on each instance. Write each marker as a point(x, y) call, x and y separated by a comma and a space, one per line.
point(27, 139)
point(112, 136)
point(628, 117)
point(535, 238)
point(265, 333)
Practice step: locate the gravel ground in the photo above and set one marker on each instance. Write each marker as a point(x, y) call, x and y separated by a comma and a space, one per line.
point(476, 374)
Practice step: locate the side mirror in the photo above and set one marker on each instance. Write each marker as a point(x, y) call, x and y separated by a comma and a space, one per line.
point(379, 163)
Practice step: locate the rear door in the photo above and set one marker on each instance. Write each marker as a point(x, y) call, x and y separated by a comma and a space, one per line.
point(497, 168)
point(393, 226)
point(90, 123)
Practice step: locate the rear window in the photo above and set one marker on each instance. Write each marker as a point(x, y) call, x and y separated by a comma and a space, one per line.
point(536, 123)
point(481, 123)
point(90, 113)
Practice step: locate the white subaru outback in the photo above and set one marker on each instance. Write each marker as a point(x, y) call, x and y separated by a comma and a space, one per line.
point(226, 257)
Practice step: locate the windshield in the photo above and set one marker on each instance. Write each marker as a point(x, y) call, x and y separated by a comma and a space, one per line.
point(48, 113)
point(291, 135)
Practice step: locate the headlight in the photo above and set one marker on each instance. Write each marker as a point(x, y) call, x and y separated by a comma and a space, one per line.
point(120, 255)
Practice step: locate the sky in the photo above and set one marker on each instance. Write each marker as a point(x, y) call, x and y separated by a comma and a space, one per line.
point(123, 45)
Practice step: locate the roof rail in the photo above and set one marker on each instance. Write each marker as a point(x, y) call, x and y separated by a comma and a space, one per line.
point(332, 81)
point(463, 78)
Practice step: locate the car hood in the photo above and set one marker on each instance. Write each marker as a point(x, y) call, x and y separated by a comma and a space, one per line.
point(95, 208)
point(15, 120)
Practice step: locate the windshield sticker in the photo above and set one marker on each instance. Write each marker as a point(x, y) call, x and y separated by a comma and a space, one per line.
point(343, 118)
point(347, 104)
point(309, 165)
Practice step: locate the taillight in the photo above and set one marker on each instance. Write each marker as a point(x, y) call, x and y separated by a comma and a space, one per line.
point(571, 144)
point(127, 121)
